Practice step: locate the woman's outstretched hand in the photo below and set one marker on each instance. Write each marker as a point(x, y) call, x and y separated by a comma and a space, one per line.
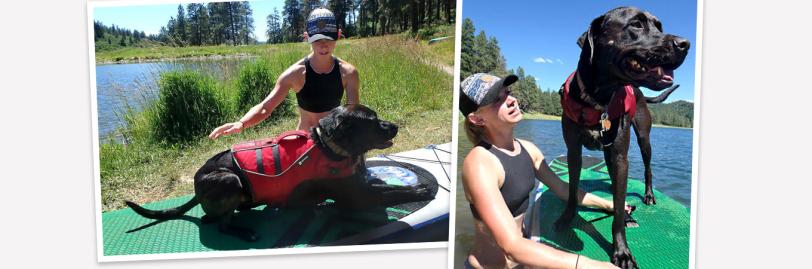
point(226, 129)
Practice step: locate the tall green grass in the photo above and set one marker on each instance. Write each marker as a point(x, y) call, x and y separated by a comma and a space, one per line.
point(257, 79)
point(397, 79)
point(188, 107)
point(166, 138)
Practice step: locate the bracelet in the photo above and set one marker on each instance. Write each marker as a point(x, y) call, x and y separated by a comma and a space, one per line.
point(576, 261)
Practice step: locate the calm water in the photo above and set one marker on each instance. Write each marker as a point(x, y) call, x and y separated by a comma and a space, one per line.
point(123, 86)
point(670, 165)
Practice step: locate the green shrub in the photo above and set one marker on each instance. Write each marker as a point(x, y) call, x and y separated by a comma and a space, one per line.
point(434, 31)
point(188, 107)
point(255, 82)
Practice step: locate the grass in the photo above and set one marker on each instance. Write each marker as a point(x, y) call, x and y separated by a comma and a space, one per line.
point(396, 81)
point(444, 50)
point(134, 54)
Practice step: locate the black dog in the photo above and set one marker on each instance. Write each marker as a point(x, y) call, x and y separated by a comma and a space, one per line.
point(221, 186)
point(622, 50)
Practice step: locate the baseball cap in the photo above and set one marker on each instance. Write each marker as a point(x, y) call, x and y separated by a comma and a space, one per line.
point(321, 24)
point(481, 89)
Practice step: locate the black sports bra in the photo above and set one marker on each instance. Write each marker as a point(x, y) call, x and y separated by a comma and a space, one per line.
point(519, 179)
point(321, 92)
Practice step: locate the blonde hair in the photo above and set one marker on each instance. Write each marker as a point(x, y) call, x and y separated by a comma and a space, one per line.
point(473, 132)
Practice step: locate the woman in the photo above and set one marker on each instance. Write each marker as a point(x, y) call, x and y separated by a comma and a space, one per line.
point(319, 80)
point(498, 174)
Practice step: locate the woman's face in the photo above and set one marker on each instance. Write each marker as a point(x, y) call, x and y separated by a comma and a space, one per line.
point(504, 110)
point(323, 47)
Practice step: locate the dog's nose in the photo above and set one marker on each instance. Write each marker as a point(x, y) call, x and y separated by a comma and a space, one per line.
point(681, 44)
point(391, 127)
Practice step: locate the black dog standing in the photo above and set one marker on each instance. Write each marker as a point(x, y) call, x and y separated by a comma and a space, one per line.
point(341, 138)
point(621, 51)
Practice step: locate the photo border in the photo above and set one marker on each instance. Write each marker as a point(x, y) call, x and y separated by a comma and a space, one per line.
point(698, 60)
point(101, 258)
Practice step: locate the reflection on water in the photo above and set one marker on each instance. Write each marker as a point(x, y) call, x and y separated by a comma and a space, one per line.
point(120, 87)
point(670, 165)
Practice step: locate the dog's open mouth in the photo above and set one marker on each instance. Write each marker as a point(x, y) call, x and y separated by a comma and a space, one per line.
point(385, 144)
point(652, 76)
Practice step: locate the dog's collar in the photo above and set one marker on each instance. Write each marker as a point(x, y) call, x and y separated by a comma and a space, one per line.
point(584, 110)
point(331, 145)
point(584, 96)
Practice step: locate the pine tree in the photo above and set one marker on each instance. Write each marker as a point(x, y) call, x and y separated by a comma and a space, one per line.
point(340, 9)
point(244, 22)
point(483, 60)
point(198, 21)
point(467, 57)
point(180, 27)
point(292, 17)
point(274, 32)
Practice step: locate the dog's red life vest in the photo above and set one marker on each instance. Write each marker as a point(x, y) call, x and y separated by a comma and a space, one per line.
point(273, 167)
point(622, 102)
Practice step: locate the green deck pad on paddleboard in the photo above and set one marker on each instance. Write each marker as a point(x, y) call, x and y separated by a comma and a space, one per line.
point(661, 241)
point(125, 232)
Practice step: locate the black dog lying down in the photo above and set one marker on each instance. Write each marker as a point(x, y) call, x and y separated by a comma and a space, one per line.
point(340, 139)
point(622, 50)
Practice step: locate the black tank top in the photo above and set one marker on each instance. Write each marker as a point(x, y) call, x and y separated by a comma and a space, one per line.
point(519, 179)
point(321, 92)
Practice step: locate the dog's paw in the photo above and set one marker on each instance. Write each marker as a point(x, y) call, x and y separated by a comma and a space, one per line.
point(623, 258)
point(649, 199)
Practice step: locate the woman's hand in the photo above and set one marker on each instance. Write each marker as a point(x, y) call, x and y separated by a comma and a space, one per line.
point(226, 129)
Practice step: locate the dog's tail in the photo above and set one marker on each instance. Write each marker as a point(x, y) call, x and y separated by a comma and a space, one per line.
point(660, 98)
point(165, 213)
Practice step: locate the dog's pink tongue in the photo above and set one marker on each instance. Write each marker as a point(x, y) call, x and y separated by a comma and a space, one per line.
point(668, 75)
point(663, 74)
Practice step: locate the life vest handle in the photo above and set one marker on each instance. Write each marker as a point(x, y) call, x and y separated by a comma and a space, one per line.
point(304, 156)
point(286, 134)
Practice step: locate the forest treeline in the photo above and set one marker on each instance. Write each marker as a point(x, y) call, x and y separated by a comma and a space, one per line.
point(232, 23)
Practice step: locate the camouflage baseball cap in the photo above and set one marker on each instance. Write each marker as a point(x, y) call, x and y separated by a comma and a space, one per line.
point(481, 89)
point(321, 24)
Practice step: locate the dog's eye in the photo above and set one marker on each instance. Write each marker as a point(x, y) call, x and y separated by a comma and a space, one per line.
point(636, 24)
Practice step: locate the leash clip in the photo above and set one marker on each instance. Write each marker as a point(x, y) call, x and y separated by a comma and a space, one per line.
point(605, 123)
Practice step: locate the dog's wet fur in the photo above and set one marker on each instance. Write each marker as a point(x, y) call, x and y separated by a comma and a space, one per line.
point(354, 128)
point(625, 46)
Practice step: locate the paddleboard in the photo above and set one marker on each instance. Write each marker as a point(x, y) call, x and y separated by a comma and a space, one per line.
point(127, 233)
point(661, 241)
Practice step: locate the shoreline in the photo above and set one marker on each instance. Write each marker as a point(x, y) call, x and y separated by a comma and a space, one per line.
point(541, 116)
point(204, 57)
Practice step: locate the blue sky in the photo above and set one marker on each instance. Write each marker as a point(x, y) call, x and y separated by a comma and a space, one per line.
point(150, 18)
point(540, 36)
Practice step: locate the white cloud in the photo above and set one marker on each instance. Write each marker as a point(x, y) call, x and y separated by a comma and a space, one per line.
point(559, 61)
point(542, 60)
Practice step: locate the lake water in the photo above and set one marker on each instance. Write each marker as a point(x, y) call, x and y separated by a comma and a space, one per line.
point(123, 86)
point(670, 165)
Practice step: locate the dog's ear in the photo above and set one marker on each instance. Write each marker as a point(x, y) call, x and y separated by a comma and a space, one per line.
point(331, 124)
point(587, 38)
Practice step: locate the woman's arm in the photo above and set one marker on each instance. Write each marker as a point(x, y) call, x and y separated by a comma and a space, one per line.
point(291, 77)
point(480, 175)
point(352, 83)
point(558, 186)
